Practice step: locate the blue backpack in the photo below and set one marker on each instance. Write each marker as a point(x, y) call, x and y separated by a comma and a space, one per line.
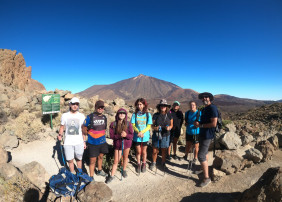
point(67, 184)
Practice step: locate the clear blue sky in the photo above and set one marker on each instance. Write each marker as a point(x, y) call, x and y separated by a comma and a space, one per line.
point(225, 47)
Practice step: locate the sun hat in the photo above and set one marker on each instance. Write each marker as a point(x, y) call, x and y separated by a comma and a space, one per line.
point(205, 94)
point(74, 100)
point(163, 102)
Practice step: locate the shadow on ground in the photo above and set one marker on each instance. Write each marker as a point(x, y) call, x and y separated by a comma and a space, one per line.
point(213, 197)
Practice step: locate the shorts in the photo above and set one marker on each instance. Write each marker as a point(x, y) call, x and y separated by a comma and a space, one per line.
point(95, 150)
point(139, 143)
point(203, 149)
point(163, 143)
point(192, 138)
point(175, 133)
point(74, 151)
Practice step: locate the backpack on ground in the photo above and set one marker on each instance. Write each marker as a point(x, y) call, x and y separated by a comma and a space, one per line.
point(67, 184)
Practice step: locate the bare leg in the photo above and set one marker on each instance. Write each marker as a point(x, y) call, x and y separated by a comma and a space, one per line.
point(116, 160)
point(100, 161)
point(175, 140)
point(92, 166)
point(144, 154)
point(164, 152)
point(138, 153)
point(125, 157)
point(196, 150)
point(188, 147)
point(71, 165)
point(79, 163)
point(155, 154)
point(205, 167)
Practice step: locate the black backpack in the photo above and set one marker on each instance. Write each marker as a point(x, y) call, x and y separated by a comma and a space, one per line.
point(92, 117)
point(219, 123)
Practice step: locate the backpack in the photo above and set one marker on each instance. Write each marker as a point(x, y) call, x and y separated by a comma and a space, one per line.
point(92, 117)
point(67, 184)
point(219, 123)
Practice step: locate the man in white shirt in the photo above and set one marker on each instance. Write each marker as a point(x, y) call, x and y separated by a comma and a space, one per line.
point(74, 141)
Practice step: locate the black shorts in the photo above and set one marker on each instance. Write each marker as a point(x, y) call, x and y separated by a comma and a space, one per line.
point(175, 133)
point(139, 143)
point(95, 150)
point(192, 138)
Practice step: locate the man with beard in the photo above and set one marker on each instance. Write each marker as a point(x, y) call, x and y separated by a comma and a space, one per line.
point(95, 126)
point(207, 127)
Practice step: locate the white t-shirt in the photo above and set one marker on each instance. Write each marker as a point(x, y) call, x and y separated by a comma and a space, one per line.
point(73, 123)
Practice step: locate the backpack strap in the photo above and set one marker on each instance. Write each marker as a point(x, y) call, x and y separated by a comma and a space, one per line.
point(91, 121)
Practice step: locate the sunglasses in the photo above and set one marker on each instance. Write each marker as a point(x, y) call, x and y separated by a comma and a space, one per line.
point(75, 104)
point(205, 96)
point(121, 113)
point(101, 107)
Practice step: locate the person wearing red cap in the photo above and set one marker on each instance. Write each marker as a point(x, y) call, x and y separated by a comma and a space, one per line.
point(94, 127)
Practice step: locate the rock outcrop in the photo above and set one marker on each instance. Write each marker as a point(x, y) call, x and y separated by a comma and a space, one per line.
point(13, 72)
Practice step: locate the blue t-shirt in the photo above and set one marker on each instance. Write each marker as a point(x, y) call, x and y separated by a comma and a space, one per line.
point(191, 117)
point(141, 125)
point(208, 113)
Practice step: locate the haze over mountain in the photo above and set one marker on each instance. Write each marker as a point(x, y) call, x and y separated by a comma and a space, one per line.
point(154, 89)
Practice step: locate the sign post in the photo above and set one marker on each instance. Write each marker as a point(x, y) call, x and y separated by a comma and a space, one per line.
point(50, 105)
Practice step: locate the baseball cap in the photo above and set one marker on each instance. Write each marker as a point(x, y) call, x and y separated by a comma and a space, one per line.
point(74, 100)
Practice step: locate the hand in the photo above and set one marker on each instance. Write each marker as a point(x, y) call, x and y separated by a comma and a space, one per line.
point(84, 146)
point(140, 134)
point(123, 134)
point(168, 128)
point(157, 128)
point(196, 124)
point(59, 137)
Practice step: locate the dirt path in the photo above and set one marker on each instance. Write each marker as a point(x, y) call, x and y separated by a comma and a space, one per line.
point(173, 186)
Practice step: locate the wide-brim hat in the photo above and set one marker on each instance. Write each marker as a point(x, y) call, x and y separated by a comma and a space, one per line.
point(205, 94)
point(163, 102)
point(99, 103)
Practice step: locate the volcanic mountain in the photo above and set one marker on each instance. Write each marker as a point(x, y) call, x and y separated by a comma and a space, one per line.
point(154, 89)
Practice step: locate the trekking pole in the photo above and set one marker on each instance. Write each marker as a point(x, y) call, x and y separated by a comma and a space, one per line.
point(121, 159)
point(165, 152)
point(141, 156)
point(159, 138)
point(62, 153)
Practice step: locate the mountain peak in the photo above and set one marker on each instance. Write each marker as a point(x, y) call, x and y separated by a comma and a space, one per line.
point(140, 76)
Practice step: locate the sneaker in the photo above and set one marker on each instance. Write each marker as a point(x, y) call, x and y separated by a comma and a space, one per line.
point(152, 166)
point(205, 182)
point(194, 160)
point(124, 174)
point(92, 178)
point(101, 173)
point(168, 157)
point(109, 179)
point(174, 157)
point(138, 168)
point(143, 169)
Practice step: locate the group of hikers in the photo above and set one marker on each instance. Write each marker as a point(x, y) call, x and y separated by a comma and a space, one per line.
point(80, 132)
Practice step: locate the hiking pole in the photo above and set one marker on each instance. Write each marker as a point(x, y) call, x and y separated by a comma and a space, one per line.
point(141, 156)
point(121, 160)
point(168, 132)
point(62, 153)
point(159, 138)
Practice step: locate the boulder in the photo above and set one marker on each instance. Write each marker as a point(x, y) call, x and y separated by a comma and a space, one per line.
point(62, 93)
point(3, 98)
point(83, 103)
point(266, 148)
point(267, 188)
point(231, 140)
point(246, 138)
point(7, 171)
point(274, 141)
point(19, 103)
point(69, 96)
point(8, 141)
point(217, 174)
point(119, 102)
point(253, 155)
point(228, 162)
point(279, 136)
point(36, 173)
point(4, 156)
point(96, 192)
point(231, 127)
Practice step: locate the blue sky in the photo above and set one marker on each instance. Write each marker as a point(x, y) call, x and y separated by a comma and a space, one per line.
point(225, 47)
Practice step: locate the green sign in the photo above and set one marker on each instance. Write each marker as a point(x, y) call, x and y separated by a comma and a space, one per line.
point(50, 103)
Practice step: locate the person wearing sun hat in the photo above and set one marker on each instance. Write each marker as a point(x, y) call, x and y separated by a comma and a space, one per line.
point(74, 144)
point(176, 130)
point(207, 126)
point(162, 124)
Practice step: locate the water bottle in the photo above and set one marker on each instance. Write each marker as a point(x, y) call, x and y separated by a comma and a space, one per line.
point(160, 133)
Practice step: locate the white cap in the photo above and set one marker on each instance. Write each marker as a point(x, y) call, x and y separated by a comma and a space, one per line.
point(74, 100)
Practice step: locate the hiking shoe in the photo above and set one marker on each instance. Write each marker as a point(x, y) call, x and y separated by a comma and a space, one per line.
point(138, 168)
point(205, 182)
point(101, 173)
point(109, 179)
point(168, 157)
point(174, 157)
point(92, 178)
point(152, 166)
point(124, 174)
point(143, 169)
point(194, 160)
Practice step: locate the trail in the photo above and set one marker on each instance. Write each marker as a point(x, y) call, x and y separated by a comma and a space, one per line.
point(173, 186)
